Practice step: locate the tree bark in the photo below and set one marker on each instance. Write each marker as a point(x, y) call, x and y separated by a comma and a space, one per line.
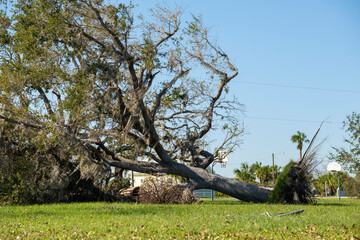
point(199, 178)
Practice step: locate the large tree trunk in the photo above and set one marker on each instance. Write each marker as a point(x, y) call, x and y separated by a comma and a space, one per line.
point(198, 178)
point(241, 190)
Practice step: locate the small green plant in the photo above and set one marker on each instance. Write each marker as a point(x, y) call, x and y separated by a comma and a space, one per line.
point(16, 191)
point(117, 184)
point(221, 195)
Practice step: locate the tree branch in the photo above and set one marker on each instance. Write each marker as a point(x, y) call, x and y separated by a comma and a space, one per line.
point(45, 99)
point(163, 92)
point(31, 125)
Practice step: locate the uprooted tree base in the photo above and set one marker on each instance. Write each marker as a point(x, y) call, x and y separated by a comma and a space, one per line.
point(292, 186)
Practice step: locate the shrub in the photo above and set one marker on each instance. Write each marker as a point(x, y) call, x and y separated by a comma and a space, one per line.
point(163, 190)
point(351, 186)
point(221, 195)
point(116, 185)
point(14, 190)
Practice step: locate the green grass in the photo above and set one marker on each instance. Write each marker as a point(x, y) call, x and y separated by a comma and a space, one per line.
point(222, 219)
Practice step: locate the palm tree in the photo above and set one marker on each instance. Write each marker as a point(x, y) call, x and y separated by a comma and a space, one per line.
point(255, 166)
point(264, 174)
point(299, 138)
point(244, 173)
point(331, 183)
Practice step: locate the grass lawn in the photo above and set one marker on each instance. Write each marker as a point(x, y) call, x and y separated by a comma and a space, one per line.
point(221, 219)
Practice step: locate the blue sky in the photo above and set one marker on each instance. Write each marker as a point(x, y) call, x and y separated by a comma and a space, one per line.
point(310, 46)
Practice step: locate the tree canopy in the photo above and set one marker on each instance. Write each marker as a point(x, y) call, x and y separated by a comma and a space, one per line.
point(350, 156)
point(86, 85)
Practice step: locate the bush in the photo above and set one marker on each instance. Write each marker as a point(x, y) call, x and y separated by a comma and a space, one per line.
point(116, 185)
point(14, 190)
point(163, 190)
point(221, 195)
point(351, 186)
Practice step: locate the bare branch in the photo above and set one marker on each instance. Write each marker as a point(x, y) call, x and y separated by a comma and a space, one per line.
point(163, 92)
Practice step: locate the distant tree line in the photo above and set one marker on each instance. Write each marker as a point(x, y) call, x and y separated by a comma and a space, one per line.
point(351, 185)
point(257, 173)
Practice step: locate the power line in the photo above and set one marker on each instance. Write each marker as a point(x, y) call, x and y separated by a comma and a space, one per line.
point(297, 87)
point(285, 86)
point(291, 120)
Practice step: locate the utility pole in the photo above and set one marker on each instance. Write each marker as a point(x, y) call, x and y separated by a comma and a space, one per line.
point(273, 169)
point(339, 186)
point(326, 190)
point(212, 172)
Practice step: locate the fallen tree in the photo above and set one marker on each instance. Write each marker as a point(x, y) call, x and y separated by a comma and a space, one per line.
point(92, 84)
